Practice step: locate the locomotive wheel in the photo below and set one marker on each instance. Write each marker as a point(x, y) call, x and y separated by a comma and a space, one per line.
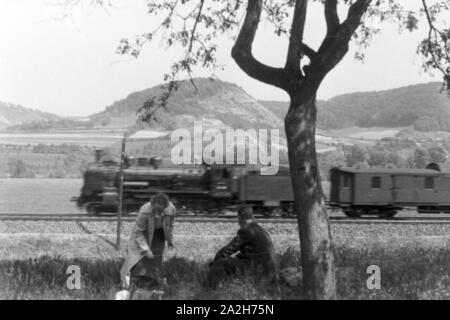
point(267, 213)
point(261, 211)
point(128, 211)
point(91, 210)
point(287, 210)
point(387, 213)
point(276, 212)
point(353, 213)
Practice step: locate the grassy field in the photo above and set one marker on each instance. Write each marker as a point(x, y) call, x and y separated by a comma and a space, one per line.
point(410, 272)
point(414, 261)
point(39, 195)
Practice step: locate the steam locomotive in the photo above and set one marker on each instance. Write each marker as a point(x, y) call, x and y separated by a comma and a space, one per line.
point(197, 188)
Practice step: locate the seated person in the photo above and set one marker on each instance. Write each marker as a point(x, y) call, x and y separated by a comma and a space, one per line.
point(255, 253)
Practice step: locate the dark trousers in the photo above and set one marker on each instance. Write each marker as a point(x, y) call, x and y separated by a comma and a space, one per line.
point(150, 268)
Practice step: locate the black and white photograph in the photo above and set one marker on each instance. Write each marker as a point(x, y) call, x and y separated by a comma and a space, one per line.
point(226, 155)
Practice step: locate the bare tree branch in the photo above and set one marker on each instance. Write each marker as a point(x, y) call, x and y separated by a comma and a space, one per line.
point(334, 48)
point(296, 38)
point(242, 50)
point(433, 35)
point(194, 28)
point(191, 41)
point(308, 51)
point(353, 21)
point(331, 16)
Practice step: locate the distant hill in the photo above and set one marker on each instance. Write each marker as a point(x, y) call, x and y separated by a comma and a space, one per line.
point(12, 115)
point(216, 102)
point(280, 108)
point(421, 106)
point(220, 103)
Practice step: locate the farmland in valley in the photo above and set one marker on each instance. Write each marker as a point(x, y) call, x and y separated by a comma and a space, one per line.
point(95, 138)
point(66, 154)
point(363, 136)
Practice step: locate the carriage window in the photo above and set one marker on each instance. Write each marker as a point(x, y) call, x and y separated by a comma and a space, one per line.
point(346, 181)
point(376, 182)
point(429, 183)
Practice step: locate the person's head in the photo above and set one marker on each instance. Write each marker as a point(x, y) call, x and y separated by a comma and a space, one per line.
point(245, 215)
point(159, 202)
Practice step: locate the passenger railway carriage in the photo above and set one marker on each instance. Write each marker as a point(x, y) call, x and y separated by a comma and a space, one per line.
point(385, 191)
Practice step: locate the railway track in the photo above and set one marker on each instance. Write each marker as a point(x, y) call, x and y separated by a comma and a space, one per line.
point(127, 218)
point(217, 218)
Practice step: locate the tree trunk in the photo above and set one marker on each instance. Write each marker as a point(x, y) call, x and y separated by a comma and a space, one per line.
point(314, 231)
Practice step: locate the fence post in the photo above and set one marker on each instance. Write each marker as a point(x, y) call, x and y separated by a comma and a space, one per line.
point(119, 209)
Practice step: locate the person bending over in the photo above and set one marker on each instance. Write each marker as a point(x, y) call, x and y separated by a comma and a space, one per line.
point(145, 248)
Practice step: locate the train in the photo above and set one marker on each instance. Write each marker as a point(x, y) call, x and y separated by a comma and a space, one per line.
point(208, 189)
point(202, 189)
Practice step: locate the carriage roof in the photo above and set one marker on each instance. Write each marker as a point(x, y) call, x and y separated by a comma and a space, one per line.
point(391, 171)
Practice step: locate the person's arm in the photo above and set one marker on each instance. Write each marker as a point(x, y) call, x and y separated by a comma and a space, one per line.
point(234, 246)
point(172, 214)
point(140, 232)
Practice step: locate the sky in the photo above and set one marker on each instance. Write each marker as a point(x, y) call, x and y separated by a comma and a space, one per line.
point(67, 64)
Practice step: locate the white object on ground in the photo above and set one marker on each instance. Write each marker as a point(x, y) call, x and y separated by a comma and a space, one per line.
point(123, 295)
